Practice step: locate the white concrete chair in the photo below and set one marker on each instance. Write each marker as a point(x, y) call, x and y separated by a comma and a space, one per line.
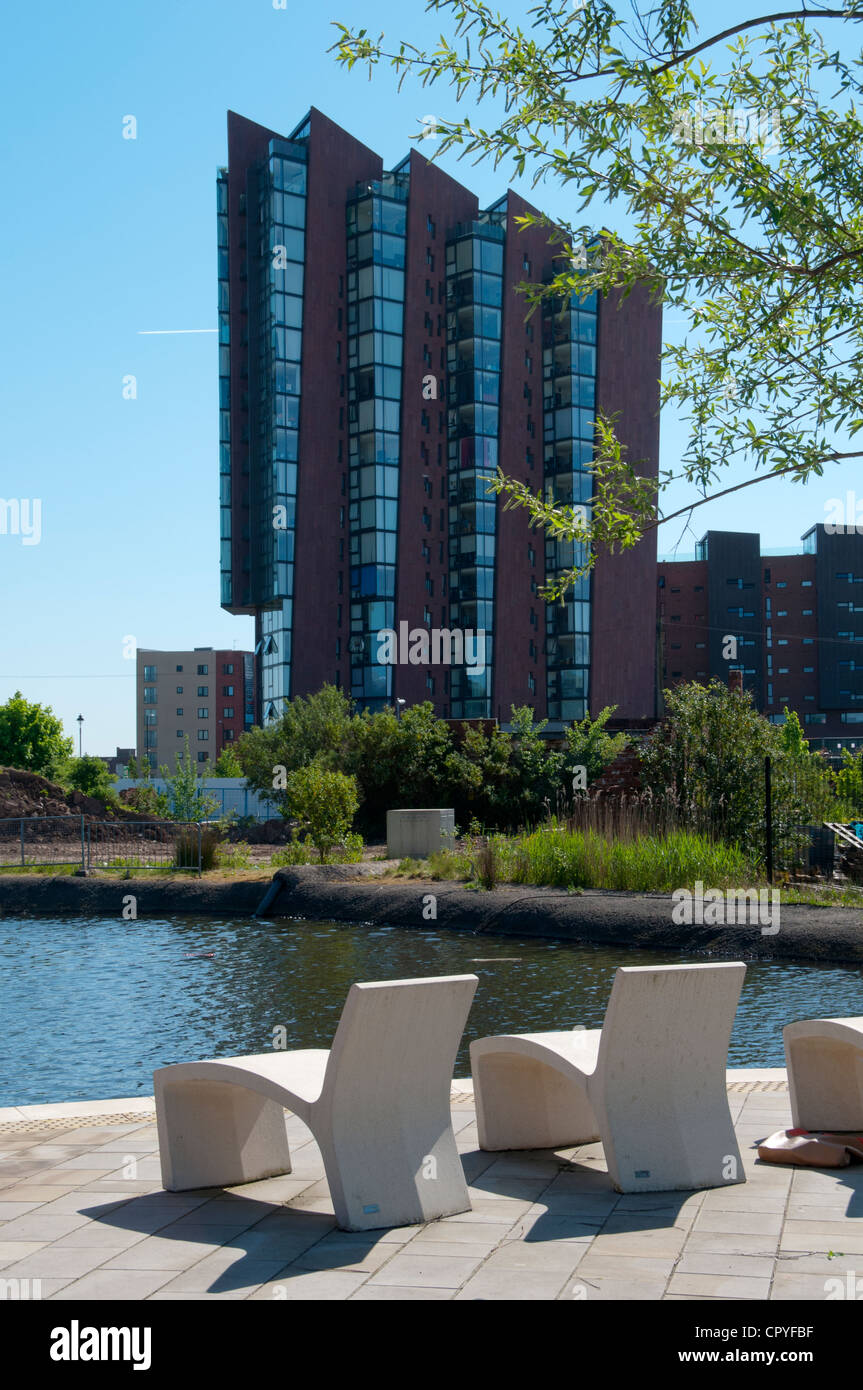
point(650, 1084)
point(825, 1073)
point(378, 1104)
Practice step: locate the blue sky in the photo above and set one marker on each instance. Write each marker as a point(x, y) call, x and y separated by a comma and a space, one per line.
point(105, 237)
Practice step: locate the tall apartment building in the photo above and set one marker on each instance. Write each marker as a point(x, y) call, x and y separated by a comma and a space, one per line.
point(796, 624)
point(376, 365)
point(204, 695)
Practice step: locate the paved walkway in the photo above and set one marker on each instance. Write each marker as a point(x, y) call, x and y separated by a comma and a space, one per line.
point(83, 1216)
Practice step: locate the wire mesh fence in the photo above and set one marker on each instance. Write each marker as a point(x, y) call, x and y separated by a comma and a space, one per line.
point(58, 841)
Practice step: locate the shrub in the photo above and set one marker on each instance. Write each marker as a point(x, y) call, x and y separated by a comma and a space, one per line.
point(90, 776)
point(234, 856)
point(186, 849)
point(185, 801)
point(326, 802)
point(296, 852)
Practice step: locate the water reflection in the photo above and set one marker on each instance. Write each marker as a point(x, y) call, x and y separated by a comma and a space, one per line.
point(91, 1006)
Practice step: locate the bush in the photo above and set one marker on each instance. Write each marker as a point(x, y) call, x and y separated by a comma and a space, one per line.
point(90, 776)
point(706, 762)
point(186, 849)
point(234, 856)
point(146, 800)
point(557, 857)
point(297, 852)
point(326, 802)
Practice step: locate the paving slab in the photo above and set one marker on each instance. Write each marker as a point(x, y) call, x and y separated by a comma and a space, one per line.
point(543, 1225)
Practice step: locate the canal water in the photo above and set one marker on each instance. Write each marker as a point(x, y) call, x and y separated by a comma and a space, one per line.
point(90, 1006)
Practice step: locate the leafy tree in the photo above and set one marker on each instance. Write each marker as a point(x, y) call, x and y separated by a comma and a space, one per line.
point(186, 800)
point(729, 148)
point(705, 762)
point(90, 775)
point(849, 780)
point(591, 746)
point(325, 801)
point(228, 764)
point(31, 737)
point(792, 737)
point(708, 755)
point(311, 728)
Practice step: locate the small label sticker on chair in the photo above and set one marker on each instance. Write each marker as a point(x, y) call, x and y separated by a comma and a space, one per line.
point(643, 1173)
point(368, 1211)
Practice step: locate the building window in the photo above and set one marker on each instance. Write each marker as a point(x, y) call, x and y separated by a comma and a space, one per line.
point(179, 690)
point(179, 733)
point(149, 716)
point(180, 712)
point(202, 757)
point(203, 712)
point(150, 695)
point(179, 668)
point(227, 690)
point(203, 690)
point(202, 671)
point(149, 673)
point(229, 670)
point(227, 711)
point(203, 735)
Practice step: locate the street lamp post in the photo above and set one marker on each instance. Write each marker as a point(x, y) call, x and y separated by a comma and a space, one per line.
point(80, 733)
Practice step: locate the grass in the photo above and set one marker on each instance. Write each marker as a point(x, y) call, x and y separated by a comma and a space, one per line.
point(562, 858)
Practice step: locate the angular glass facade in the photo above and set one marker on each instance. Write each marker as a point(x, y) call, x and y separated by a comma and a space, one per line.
point(224, 391)
point(474, 291)
point(393, 298)
point(376, 241)
point(278, 196)
point(569, 398)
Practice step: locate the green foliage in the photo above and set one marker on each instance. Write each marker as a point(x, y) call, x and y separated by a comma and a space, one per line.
point(186, 849)
point(90, 775)
point(707, 760)
point(554, 856)
point(591, 746)
point(350, 848)
point(184, 796)
point(849, 781)
point(228, 763)
point(234, 856)
point(146, 800)
point(31, 737)
point(296, 852)
point(311, 729)
point(326, 802)
point(504, 779)
point(792, 738)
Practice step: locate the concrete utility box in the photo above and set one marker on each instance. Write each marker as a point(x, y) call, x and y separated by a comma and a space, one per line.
point(417, 834)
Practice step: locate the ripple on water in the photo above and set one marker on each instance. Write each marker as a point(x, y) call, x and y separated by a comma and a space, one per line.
point(91, 1006)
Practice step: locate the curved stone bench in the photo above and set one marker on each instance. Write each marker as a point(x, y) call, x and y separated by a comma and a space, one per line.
point(378, 1104)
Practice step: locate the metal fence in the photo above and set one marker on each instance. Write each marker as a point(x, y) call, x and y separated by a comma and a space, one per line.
point(48, 841)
